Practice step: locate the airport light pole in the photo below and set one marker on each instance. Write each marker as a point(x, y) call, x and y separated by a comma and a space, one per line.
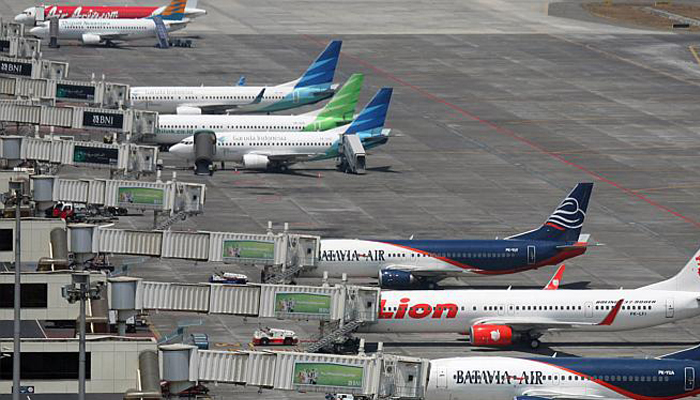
point(80, 290)
point(15, 195)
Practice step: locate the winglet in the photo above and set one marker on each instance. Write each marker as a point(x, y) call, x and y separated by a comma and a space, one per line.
point(610, 318)
point(241, 81)
point(259, 97)
point(556, 279)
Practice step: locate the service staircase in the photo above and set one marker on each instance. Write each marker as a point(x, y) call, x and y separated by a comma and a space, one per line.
point(351, 154)
point(338, 330)
point(171, 220)
point(161, 33)
point(283, 276)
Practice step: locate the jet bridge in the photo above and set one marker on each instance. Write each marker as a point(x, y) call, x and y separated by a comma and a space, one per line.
point(132, 123)
point(171, 197)
point(376, 376)
point(93, 93)
point(126, 158)
point(285, 248)
point(340, 309)
point(33, 68)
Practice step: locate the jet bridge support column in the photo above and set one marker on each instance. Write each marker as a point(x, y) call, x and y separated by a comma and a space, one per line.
point(53, 33)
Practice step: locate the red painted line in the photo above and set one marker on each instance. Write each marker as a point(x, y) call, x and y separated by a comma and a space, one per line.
point(513, 135)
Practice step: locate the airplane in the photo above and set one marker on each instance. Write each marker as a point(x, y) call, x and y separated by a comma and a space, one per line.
point(105, 30)
point(671, 376)
point(314, 85)
point(504, 317)
point(423, 263)
point(173, 128)
point(32, 15)
point(278, 150)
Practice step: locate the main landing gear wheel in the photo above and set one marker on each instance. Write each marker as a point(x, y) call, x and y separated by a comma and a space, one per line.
point(535, 343)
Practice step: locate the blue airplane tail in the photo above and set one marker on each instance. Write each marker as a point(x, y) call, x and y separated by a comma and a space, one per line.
point(565, 223)
point(322, 70)
point(692, 353)
point(371, 119)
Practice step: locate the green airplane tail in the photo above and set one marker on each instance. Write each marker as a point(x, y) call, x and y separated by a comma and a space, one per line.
point(343, 103)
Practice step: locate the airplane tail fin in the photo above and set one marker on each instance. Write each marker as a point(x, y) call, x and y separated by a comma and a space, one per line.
point(344, 102)
point(322, 70)
point(692, 353)
point(554, 283)
point(175, 11)
point(566, 221)
point(686, 280)
point(370, 121)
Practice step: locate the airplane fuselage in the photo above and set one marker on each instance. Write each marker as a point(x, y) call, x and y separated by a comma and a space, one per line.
point(366, 258)
point(126, 29)
point(507, 378)
point(219, 99)
point(28, 16)
point(173, 128)
point(455, 311)
point(235, 146)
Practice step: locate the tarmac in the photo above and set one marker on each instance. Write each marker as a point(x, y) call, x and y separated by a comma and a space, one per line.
point(500, 110)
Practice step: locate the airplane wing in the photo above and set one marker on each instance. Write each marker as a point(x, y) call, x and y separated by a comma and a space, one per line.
point(288, 158)
point(546, 324)
point(539, 394)
point(423, 271)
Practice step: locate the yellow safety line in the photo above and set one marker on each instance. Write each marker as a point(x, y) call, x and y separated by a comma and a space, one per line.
point(695, 53)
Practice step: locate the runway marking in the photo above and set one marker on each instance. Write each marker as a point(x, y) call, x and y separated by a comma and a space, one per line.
point(695, 53)
point(514, 135)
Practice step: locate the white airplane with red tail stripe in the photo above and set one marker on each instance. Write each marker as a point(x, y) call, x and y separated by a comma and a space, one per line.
point(505, 317)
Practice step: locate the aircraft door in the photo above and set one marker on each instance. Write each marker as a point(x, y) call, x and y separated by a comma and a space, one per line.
point(689, 378)
point(588, 309)
point(501, 309)
point(295, 96)
point(441, 378)
point(511, 309)
point(531, 259)
point(669, 308)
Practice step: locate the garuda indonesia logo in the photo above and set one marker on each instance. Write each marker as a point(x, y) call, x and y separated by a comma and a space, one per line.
point(568, 215)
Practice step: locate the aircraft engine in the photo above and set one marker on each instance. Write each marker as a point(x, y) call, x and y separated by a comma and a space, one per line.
point(90, 38)
point(491, 335)
point(186, 110)
point(396, 279)
point(255, 161)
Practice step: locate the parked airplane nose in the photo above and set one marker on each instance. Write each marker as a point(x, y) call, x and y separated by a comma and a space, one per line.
point(22, 18)
point(178, 149)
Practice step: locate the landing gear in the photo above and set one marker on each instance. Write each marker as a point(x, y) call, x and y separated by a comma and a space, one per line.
point(430, 285)
point(277, 167)
point(535, 343)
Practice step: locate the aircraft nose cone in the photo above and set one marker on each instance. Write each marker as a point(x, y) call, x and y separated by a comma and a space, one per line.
point(178, 149)
point(20, 18)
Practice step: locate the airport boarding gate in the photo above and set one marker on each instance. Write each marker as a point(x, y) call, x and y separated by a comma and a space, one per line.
point(48, 154)
point(131, 123)
point(374, 377)
point(176, 200)
point(344, 307)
